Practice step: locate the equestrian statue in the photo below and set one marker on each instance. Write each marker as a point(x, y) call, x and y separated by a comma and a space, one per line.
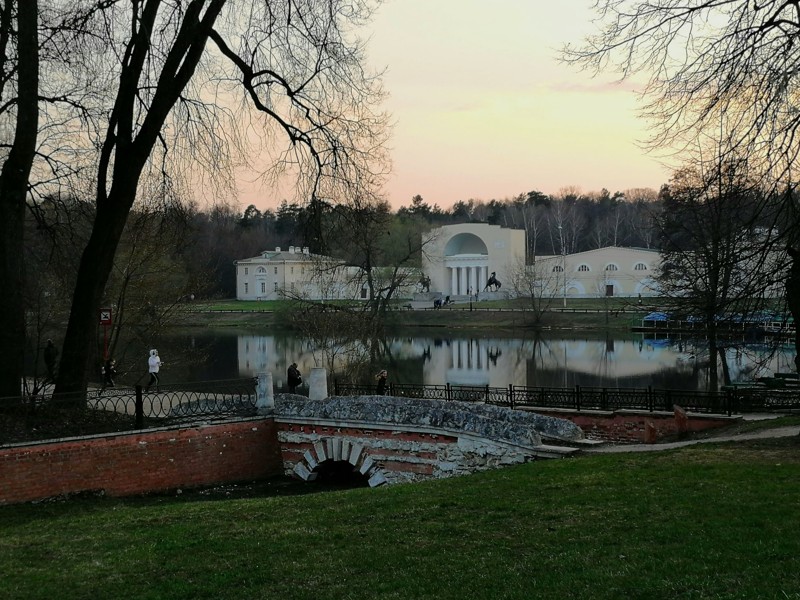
point(493, 283)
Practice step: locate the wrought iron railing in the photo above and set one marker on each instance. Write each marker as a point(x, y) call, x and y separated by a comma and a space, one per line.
point(728, 401)
point(123, 409)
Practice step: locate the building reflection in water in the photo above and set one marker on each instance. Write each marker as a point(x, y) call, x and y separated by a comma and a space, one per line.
point(498, 362)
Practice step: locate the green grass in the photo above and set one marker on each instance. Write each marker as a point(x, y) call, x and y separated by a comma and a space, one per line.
point(717, 521)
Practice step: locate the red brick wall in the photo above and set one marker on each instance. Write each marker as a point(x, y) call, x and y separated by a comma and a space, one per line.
point(146, 461)
point(630, 426)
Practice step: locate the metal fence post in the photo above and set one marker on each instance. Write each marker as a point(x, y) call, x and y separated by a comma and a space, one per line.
point(650, 397)
point(139, 410)
point(447, 393)
point(511, 395)
point(578, 398)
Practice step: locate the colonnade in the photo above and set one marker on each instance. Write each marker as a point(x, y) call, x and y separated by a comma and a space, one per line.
point(462, 279)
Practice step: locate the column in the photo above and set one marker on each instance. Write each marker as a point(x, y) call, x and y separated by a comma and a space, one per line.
point(265, 398)
point(453, 280)
point(318, 384)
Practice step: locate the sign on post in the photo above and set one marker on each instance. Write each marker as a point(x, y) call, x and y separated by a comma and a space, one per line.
point(105, 317)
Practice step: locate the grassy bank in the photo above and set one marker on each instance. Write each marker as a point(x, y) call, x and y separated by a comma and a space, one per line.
point(581, 314)
point(717, 521)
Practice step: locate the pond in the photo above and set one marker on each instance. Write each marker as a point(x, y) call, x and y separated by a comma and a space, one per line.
point(468, 359)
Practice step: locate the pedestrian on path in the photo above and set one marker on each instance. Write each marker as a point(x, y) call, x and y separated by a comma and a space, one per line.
point(153, 365)
point(381, 377)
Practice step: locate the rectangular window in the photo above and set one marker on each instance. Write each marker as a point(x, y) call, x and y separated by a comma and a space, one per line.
point(609, 290)
point(276, 286)
point(245, 288)
point(291, 270)
point(263, 287)
point(276, 270)
point(245, 270)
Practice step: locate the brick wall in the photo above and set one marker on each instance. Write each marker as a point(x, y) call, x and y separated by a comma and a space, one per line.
point(639, 427)
point(141, 462)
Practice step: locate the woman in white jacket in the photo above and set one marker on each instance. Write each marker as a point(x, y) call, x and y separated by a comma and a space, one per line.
point(153, 365)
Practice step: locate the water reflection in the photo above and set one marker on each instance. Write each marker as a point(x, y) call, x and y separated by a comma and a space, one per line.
point(498, 362)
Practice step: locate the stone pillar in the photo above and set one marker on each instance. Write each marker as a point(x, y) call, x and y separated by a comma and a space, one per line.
point(453, 280)
point(477, 287)
point(318, 384)
point(265, 398)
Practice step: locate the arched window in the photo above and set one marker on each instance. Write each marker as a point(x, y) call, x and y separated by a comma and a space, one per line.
point(584, 268)
point(558, 269)
point(261, 270)
point(612, 267)
point(640, 266)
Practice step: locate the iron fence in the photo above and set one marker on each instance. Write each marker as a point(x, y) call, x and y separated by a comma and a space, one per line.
point(111, 410)
point(728, 401)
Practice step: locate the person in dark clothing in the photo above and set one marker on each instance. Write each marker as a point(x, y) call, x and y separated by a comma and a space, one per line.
point(50, 356)
point(293, 377)
point(109, 372)
point(381, 377)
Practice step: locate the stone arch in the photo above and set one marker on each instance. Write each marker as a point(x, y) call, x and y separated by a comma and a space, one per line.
point(338, 449)
point(465, 243)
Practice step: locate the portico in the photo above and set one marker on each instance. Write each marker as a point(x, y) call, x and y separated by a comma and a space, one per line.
point(462, 257)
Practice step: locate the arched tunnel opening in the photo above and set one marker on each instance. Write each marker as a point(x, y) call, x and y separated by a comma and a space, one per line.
point(339, 473)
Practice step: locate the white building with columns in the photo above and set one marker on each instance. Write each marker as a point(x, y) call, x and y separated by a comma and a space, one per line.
point(461, 258)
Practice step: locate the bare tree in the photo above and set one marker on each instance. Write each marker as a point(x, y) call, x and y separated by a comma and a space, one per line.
point(179, 66)
point(725, 71)
point(719, 251)
point(535, 286)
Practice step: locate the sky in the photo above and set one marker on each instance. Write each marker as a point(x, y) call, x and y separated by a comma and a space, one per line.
point(482, 108)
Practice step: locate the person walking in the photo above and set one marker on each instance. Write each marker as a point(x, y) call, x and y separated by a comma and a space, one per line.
point(109, 372)
point(381, 377)
point(153, 365)
point(50, 356)
point(293, 377)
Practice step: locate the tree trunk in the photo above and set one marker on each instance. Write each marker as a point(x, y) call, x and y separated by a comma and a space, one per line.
point(13, 191)
point(94, 269)
point(793, 300)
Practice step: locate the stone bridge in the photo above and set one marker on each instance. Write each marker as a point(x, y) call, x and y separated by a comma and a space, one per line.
point(392, 440)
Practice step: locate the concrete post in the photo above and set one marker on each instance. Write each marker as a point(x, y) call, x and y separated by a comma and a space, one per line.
point(318, 384)
point(265, 398)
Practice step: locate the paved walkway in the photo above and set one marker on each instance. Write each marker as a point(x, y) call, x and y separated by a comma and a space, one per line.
point(777, 432)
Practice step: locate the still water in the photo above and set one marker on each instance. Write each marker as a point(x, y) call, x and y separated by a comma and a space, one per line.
point(458, 358)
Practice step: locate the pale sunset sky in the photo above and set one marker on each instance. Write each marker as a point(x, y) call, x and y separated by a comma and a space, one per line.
point(482, 108)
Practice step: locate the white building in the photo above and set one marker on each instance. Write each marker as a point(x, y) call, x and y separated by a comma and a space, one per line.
point(461, 258)
point(609, 271)
point(296, 272)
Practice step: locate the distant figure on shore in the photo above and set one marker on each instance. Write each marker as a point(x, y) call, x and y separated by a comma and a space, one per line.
point(153, 365)
point(50, 356)
point(293, 377)
point(381, 377)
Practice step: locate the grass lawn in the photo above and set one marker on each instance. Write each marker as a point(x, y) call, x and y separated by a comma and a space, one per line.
point(710, 521)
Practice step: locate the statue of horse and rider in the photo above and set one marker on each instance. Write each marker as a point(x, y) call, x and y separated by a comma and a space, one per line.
point(424, 283)
point(493, 283)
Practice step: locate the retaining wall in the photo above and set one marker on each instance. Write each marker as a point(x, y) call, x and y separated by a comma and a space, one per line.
point(629, 426)
point(140, 462)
